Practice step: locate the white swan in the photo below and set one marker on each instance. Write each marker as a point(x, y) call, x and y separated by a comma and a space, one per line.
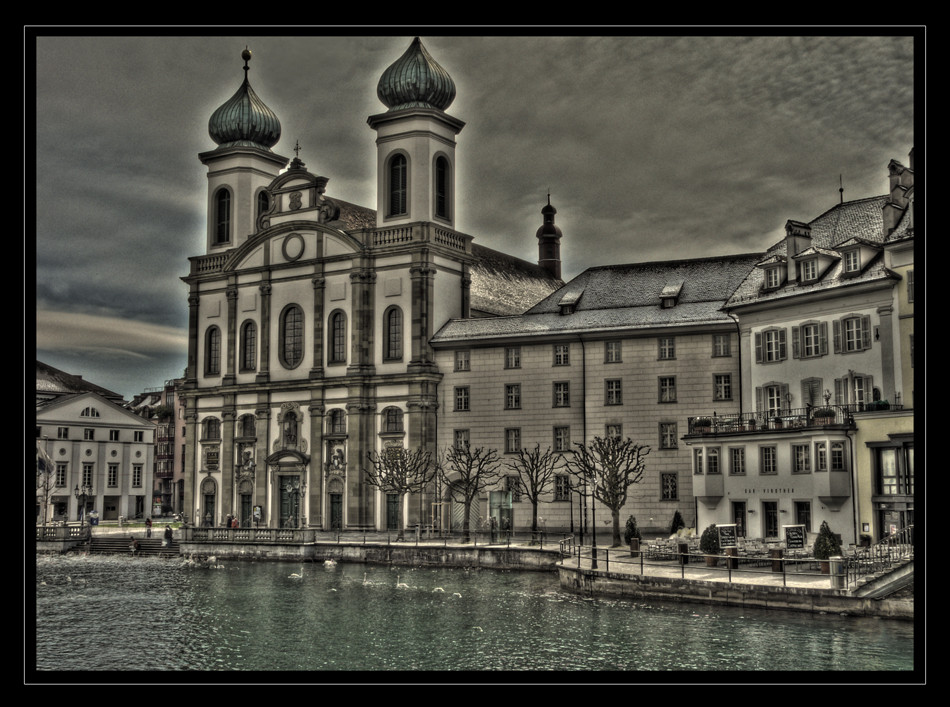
point(365, 581)
point(297, 576)
point(438, 589)
point(401, 585)
point(456, 594)
point(329, 563)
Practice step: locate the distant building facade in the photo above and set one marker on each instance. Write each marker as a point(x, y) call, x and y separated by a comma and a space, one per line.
point(94, 454)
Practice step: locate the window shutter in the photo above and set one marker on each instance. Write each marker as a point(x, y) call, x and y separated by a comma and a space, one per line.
point(837, 335)
point(759, 404)
point(781, 345)
point(784, 404)
point(823, 338)
point(758, 348)
point(795, 345)
point(839, 389)
point(866, 332)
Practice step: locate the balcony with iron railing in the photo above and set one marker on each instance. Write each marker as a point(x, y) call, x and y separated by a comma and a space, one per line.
point(814, 417)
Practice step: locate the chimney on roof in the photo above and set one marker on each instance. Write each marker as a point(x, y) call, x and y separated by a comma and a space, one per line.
point(549, 242)
point(797, 239)
point(901, 180)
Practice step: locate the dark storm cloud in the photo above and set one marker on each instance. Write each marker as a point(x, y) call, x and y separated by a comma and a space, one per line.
point(651, 148)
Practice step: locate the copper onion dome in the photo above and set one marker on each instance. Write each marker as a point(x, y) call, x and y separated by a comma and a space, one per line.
point(415, 80)
point(244, 120)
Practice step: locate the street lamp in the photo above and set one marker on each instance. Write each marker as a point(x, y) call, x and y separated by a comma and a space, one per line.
point(593, 523)
point(81, 492)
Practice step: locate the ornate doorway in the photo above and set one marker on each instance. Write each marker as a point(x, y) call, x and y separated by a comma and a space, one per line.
point(289, 501)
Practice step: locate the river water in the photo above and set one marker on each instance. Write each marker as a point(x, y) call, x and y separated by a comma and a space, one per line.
point(117, 613)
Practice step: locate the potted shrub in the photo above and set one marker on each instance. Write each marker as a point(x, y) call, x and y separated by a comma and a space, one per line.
point(632, 536)
point(777, 422)
point(827, 545)
point(701, 424)
point(824, 416)
point(709, 545)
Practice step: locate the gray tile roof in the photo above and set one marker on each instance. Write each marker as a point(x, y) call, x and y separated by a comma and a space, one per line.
point(617, 298)
point(52, 382)
point(858, 221)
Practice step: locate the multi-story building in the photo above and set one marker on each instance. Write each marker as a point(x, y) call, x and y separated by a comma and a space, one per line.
point(160, 405)
point(311, 318)
point(822, 320)
point(625, 350)
point(98, 456)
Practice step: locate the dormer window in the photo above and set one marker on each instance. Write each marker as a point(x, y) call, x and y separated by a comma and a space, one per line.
point(852, 261)
point(773, 278)
point(670, 294)
point(809, 270)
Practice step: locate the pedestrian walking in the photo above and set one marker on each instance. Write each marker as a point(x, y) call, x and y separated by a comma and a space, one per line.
point(148, 527)
point(167, 540)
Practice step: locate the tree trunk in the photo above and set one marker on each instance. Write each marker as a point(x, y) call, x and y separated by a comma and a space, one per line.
point(466, 522)
point(616, 517)
point(401, 533)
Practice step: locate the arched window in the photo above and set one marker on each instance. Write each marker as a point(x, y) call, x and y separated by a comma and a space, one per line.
point(442, 187)
point(263, 202)
point(222, 217)
point(248, 346)
point(212, 428)
point(397, 185)
point(392, 334)
point(336, 422)
point(291, 336)
point(337, 352)
point(213, 351)
point(392, 420)
point(246, 426)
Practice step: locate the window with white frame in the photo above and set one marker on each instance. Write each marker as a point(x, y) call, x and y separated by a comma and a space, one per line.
point(773, 277)
point(737, 461)
point(667, 348)
point(613, 392)
point(136, 475)
point(613, 431)
point(562, 487)
point(721, 345)
point(809, 269)
point(87, 472)
point(512, 440)
point(712, 460)
point(837, 456)
point(770, 346)
point(513, 357)
point(821, 456)
point(89, 434)
point(722, 386)
point(801, 458)
point(463, 361)
point(613, 352)
point(61, 474)
point(810, 340)
point(668, 436)
point(62, 433)
point(667, 386)
point(562, 439)
point(803, 514)
point(461, 398)
point(112, 475)
point(138, 436)
point(768, 460)
point(853, 334)
point(562, 354)
point(513, 396)
point(113, 435)
point(461, 439)
point(852, 260)
point(562, 394)
point(513, 487)
point(698, 460)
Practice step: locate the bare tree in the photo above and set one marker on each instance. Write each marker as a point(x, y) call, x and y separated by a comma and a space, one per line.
point(45, 481)
point(400, 471)
point(535, 474)
point(466, 472)
point(610, 466)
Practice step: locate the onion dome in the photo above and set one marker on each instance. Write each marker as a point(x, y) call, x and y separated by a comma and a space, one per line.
point(244, 120)
point(415, 80)
point(548, 229)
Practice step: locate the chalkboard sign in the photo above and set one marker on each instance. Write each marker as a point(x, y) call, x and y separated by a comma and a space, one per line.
point(794, 537)
point(727, 535)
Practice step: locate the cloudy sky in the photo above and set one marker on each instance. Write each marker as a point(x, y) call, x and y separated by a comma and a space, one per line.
point(652, 148)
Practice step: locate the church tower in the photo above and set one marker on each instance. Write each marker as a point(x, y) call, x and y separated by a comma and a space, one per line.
point(549, 241)
point(241, 167)
point(415, 143)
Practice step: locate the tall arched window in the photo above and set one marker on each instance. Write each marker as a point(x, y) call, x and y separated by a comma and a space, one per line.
point(263, 202)
point(392, 334)
point(397, 185)
point(337, 352)
point(392, 420)
point(222, 217)
point(291, 336)
point(248, 346)
point(442, 187)
point(211, 428)
point(213, 351)
point(336, 422)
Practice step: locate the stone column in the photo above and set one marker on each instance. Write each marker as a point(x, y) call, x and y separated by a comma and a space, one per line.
point(316, 474)
point(191, 452)
point(232, 295)
point(264, 375)
point(319, 294)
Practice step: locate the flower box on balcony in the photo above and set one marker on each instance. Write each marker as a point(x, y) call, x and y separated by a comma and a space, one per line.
point(701, 424)
point(824, 416)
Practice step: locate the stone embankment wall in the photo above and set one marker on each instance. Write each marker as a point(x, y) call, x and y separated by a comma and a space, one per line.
point(731, 594)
